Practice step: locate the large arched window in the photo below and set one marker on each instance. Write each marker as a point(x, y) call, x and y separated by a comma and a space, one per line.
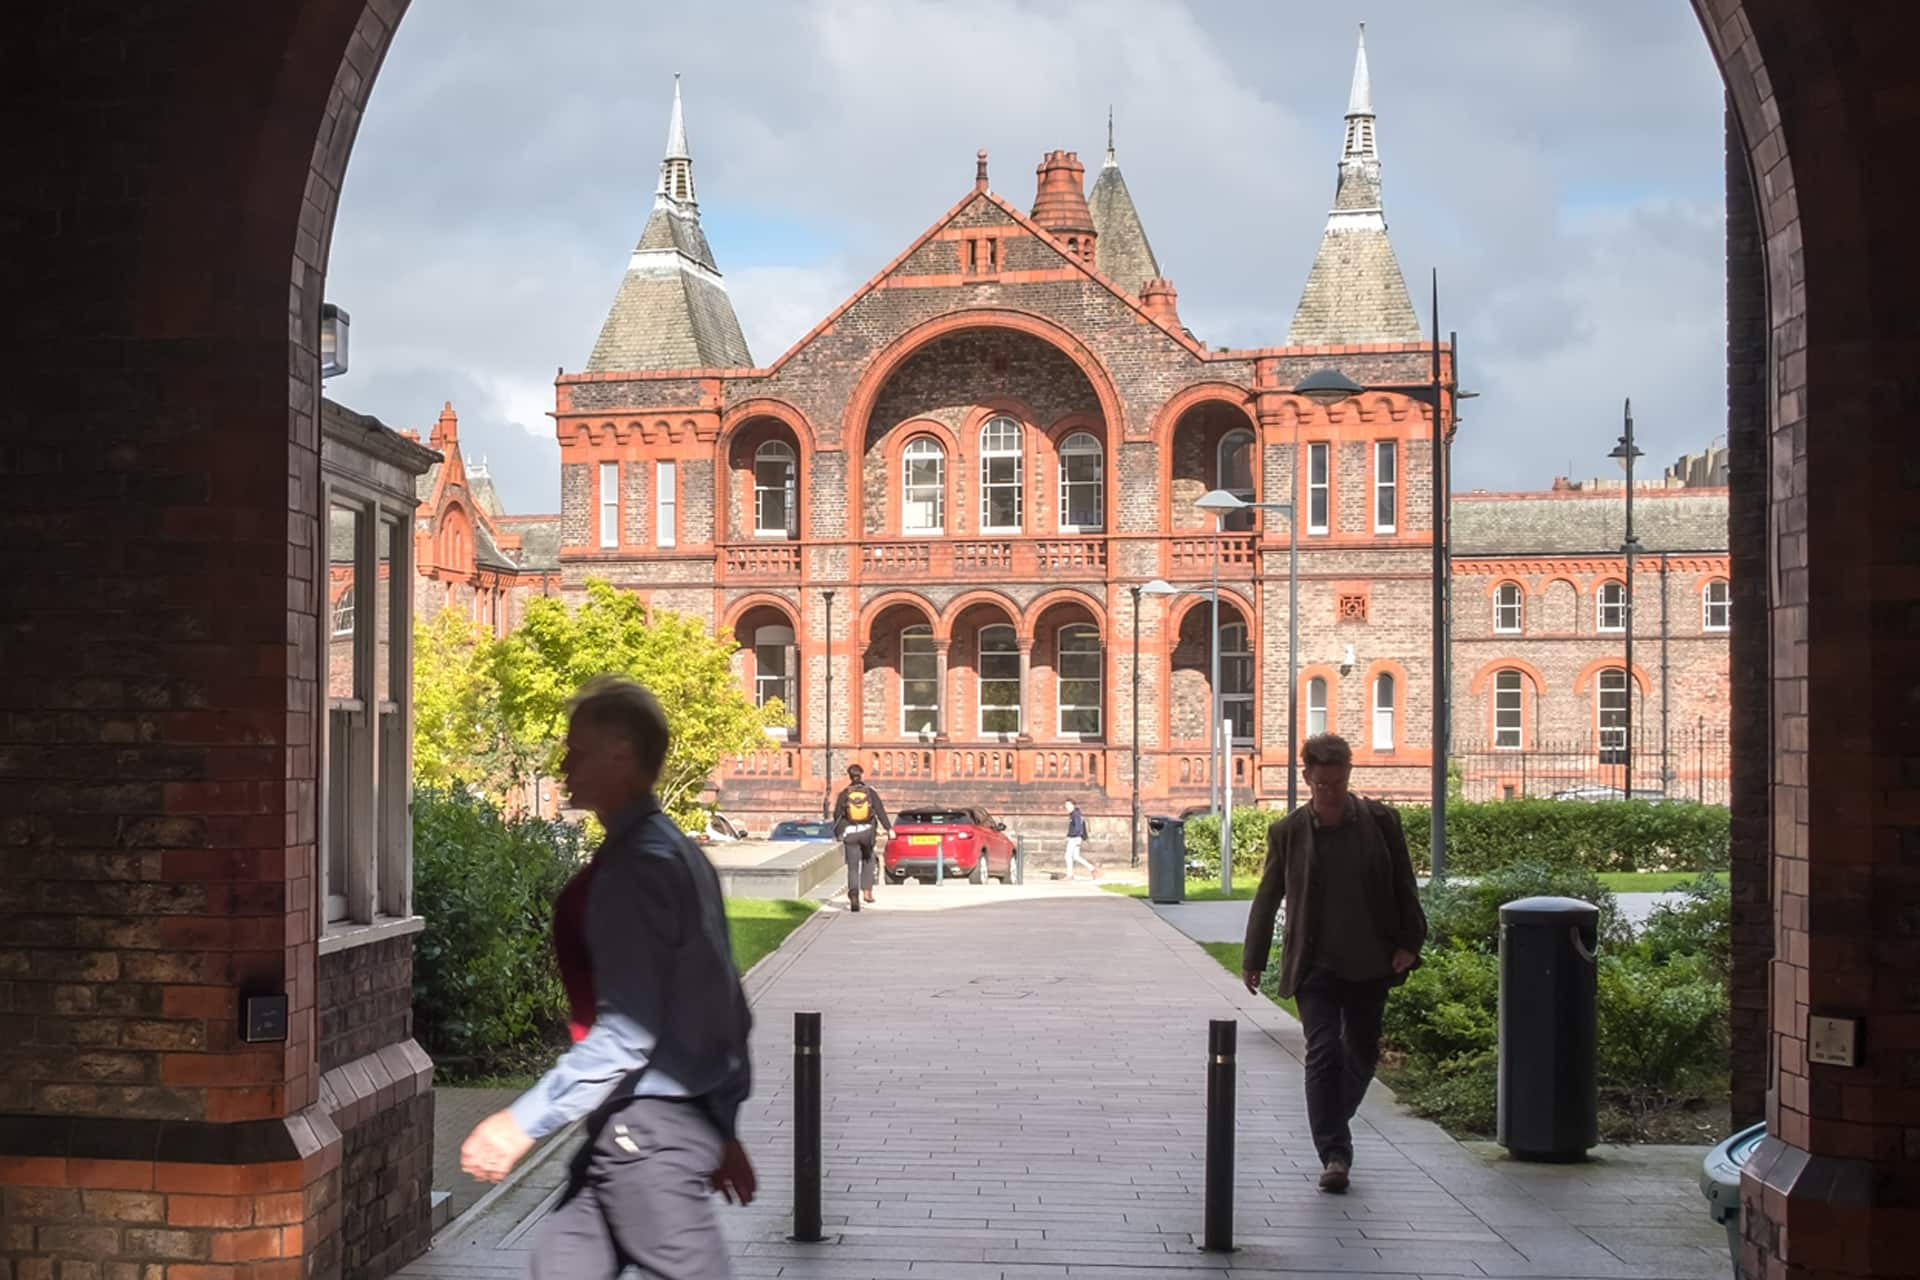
point(1236, 475)
point(1002, 476)
point(919, 682)
point(1236, 680)
point(1082, 483)
point(1612, 606)
point(1316, 706)
point(1508, 609)
point(1383, 691)
point(1078, 666)
point(1716, 605)
point(999, 678)
point(923, 487)
point(1508, 718)
point(775, 514)
point(772, 670)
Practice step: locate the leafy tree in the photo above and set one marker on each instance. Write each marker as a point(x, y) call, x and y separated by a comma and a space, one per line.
point(459, 736)
point(557, 649)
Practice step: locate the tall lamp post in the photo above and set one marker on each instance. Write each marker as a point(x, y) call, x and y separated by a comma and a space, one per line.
point(1329, 386)
point(1134, 845)
point(1161, 587)
point(826, 769)
point(1293, 626)
point(1624, 453)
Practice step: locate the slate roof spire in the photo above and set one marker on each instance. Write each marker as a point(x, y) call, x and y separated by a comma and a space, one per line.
point(1355, 292)
point(672, 310)
point(1120, 249)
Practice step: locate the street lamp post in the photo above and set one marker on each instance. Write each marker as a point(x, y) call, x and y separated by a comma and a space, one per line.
point(1134, 845)
point(1161, 587)
point(1293, 628)
point(826, 769)
point(1624, 453)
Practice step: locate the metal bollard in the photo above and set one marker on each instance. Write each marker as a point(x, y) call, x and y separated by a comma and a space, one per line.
point(1222, 1033)
point(806, 1128)
point(1019, 875)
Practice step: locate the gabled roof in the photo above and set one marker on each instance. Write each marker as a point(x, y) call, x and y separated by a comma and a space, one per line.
point(1589, 523)
point(1120, 248)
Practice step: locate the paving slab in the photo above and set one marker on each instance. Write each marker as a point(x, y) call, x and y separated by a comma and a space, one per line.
point(1014, 1089)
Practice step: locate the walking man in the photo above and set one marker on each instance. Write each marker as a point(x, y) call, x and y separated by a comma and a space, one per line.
point(663, 1068)
point(1354, 928)
point(1077, 832)
point(857, 814)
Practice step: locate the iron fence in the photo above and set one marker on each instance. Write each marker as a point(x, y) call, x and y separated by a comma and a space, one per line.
point(1694, 763)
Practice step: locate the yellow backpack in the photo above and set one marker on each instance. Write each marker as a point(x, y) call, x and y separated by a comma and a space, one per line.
point(859, 805)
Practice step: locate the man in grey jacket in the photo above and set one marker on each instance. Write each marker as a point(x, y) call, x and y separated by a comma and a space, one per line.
point(663, 1070)
point(1354, 928)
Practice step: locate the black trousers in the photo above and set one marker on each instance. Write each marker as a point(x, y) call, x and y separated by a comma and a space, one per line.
point(859, 851)
point(1342, 1022)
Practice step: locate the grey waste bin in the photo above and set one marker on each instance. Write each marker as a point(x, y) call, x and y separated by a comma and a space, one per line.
point(1548, 1105)
point(1720, 1183)
point(1166, 859)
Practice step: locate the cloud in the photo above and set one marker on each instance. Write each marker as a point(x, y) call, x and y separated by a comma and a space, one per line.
point(1559, 164)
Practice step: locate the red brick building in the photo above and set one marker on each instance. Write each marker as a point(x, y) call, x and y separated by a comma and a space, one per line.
point(941, 500)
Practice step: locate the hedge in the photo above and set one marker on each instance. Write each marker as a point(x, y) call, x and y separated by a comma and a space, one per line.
point(1606, 835)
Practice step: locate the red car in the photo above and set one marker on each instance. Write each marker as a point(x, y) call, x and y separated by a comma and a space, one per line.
point(970, 842)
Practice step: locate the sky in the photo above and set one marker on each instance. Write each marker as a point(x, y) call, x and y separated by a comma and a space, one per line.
point(1559, 163)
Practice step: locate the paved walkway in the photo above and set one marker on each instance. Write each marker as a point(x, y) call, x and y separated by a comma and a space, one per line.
point(1014, 1091)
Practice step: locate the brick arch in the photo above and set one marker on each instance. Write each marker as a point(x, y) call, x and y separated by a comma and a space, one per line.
point(1493, 586)
point(762, 600)
point(881, 603)
point(1167, 425)
point(1583, 682)
point(1478, 685)
point(943, 627)
point(893, 451)
point(747, 417)
point(1029, 620)
point(873, 379)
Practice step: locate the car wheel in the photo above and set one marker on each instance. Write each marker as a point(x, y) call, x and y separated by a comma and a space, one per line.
point(979, 873)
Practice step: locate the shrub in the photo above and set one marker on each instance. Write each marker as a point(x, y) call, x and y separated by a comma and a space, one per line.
point(1448, 1007)
point(1700, 924)
point(1249, 843)
point(1662, 1028)
point(1608, 835)
point(1461, 1094)
point(486, 991)
point(1468, 912)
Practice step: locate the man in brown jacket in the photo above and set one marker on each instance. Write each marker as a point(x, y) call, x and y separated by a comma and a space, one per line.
point(1354, 928)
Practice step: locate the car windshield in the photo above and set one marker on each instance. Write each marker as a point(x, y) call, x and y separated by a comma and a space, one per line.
point(936, 818)
point(790, 830)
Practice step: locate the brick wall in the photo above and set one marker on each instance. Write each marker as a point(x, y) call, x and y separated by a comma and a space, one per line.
point(365, 999)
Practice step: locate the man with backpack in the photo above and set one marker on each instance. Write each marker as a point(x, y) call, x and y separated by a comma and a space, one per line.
point(857, 815)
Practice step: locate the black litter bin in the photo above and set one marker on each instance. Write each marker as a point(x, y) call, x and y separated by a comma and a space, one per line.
point(1166, 859)
point(1548, 1105)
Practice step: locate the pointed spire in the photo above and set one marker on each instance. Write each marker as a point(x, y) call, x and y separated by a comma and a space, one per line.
point(677, 126)
point(1120, 251)
point(1355, 292)
point(676, 166)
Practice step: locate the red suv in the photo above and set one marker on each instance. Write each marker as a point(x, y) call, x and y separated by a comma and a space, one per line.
point(970, 842)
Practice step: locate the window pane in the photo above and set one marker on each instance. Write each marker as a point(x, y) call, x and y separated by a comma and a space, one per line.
point(1084, 721)
point(1317, 493)
point(1316, 706)
point(343, 543)
point(609, 504)
point(1383, 714)
point(666, 507)
point(1385, 485)
point(1506, 709)
point(383, 654)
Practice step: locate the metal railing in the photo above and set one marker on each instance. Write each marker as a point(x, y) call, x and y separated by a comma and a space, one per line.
point(1695, 763)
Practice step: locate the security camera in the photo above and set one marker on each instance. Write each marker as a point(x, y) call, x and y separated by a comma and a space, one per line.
point(1346, 662)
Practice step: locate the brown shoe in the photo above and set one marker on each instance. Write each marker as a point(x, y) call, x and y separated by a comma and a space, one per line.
point(869, 895)
point(1333, 1178)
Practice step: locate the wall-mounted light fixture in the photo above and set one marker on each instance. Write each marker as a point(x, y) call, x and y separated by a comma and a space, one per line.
point(333, 340)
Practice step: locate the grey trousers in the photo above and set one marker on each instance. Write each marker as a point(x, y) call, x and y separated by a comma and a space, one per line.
point(859, 851)
point(638, 1196)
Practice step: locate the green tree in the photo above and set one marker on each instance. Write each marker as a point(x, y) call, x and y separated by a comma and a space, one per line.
point(459, 734)
point(556, 649)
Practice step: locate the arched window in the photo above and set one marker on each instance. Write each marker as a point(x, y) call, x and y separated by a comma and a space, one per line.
point(1508, 609)
point(919, 682)
point(1082, 483)
point(923, 487)
point(774, 510)
point(1316, 706)
point(1610, 711)
point(1236, 680)
point(1508, 720)
point(1613, 606)
point(1716, 605)
point(772, 673)
point(1078, 666)
point(343, 613)
point(1236, 475)
point(1002, 476)
point(1383, 712)
point(999, 678)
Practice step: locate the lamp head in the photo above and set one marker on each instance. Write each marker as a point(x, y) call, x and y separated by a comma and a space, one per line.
point(1159, 587)
point(1327, 386)
point(1219, 500)
point(1346, 662)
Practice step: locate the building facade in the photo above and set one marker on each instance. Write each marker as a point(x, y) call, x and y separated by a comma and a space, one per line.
point(927, 522)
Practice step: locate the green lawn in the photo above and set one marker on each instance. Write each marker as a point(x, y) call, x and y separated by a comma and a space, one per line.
point(1652, 881)
point(761, 924)
point(1197, 891)
point(1228, 954)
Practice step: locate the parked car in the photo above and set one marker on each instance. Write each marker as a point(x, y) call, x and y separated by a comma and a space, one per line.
point(1601, 791)
point(720, 829)
point(963, 840)
point(802, 829)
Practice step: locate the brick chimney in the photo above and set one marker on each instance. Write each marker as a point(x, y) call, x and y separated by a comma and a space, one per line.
point(447, 430)
point(1161, 301)
point(1060, 204)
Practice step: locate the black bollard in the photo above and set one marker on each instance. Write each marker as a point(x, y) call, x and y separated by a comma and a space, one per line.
point(1221, 1036)
point(806, 1128)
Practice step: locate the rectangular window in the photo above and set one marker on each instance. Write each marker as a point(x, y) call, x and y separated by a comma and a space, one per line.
point(1507, 718)
point(1383, 691)
point(609, 504)
point(666, 504)
point(346, 706)
point(1236, 681)
point(1508, 605)
point(1079, 670)
point(1386, 486)
point(770, 674)
point(999, 673)
point(923, 494)
point(1613, 716)
point(1318, 491)
point(1316, 706)
point(1716, 608)
point(1612, 607)
point(919, 682)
